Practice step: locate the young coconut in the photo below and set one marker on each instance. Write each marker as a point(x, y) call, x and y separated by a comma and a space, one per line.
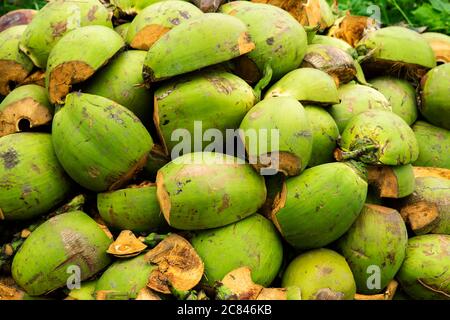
point(182, 186)
point(434, 145)
point(135, 208)
point(352, 29)
point(355, 99)
point(16, 18)
point(24, 108)
point(122, 30)
point(291, 151)
point(121, 81)
point(317, 207)
point(335, 42)
point(392, 181)
point(378, 137)
point(56, 19)
point(325, 135)
point(132, 7)
point(321, 274)
point(252, 242)
point(156, 20)
point(217, 100)
point(33, 181)
point(157, 159)
point(396, 50)
point(425, 273)
point(67, 66)
point(81, 132)
point(434, 94)
point(299, 84)
point(440, 43)
point(279, 39)
point(377, 238)
point(14, 64)
point(427, 210)
point(196, 44)
point(76, 240)
point(401, 96)
point(85, 292)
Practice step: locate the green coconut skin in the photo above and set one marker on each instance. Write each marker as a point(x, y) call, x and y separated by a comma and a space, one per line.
point(434, 96)
point(288, 116)
point(132, 7)
point(427, 259)
point(85, 292)
point(280, 40)
point(325, 135)
point(377, 238)
point(121, 81)
point(196, 44)
point(70, 239)
point(320, 269)
point(122, 30)
point(405, 179)
point(35, 92)
point(216, 98)
point(306, 85)
point(335, 42)
point(391, 138)
point(32, 182)
point(161, 17)
point(434, 145)
point(55, 20)
point(252, 242)
point(388, 43)
point(125, 278)
point(310, 217)
point(99, 142)
point(355, 99)
point(135, 209)
point(205, 190)
point(401, 96)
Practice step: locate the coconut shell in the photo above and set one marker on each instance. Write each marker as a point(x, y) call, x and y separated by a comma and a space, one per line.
point(392, 181)
point(352, 29)
point(440, 43)
point(434, 145)
point(89, 141)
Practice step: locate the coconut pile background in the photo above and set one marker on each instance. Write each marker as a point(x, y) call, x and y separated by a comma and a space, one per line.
point(97, 200)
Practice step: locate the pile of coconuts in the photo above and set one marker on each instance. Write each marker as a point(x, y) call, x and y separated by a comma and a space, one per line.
point(95, 206)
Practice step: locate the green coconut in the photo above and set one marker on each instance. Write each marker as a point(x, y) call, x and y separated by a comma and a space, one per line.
point(335, 42)
point(434, 93)
point(280, 41)
point(67, 65)
point(378, 137)
point(392, 181)
point(401, 96)
point(15, 66)
point(375, 247)
point(84, 292)
point(32, 182)
point(434, 145)
point(307, 85)
point(355, 99)
point(24, 108)
point(68, 245)
point(424, 274)
point(305, 213)
point(135, 208)
point(56, 19)
point(124, 279)
point(156, 20)
point(122, 29)
point(132, 7)
point(205, 190)
point(252, 242)
point(196, 107)
point(427, 210)
point(196, 44)
point(156, 160)
point(321, 274)
point(121, 81)
point(325, 134)
point(440, 43)
point(100, 143)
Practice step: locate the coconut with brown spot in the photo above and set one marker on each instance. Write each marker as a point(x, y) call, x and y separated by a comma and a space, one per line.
point(195, 44)
point(440, 43)
point(56, 19)
point(294, 133)
point(15, 66)
point(205, 190)
point(24, 108)
point(156, 20)
point(434, 145)
point(16, 18)
point(67, 65)
point(76, 241)
point(33, 181)
point(100, 143)
point(392, 181)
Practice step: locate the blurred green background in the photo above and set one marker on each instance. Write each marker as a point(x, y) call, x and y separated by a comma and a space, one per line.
point(433, 14)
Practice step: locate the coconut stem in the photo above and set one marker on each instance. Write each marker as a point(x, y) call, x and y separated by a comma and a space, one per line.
point(265, 80)
point(342, 155)
point(153, 239)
